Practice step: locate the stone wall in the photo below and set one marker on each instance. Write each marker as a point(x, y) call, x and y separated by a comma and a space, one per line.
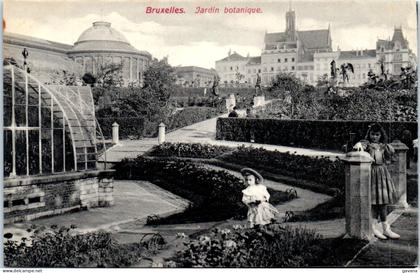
point(27, 198)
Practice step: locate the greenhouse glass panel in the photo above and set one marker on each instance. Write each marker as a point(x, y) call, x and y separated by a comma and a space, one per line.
point(46, 151)
point(21, 159)
point(58, 150)
point(7, 150)
point(33, 152)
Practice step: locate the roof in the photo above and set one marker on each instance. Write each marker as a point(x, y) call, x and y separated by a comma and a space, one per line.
point(398, 36)
point(187, 69)
point(272, 38)
point(233, 57)
point(101, 37)
point(23, 40)
point(254, 60)
point(357, 54)
point(101, 31)
point(106, 46)
point(314, 39)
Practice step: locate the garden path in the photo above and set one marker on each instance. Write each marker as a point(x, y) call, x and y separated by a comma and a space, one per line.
point(134, 201)
point(393, 253)
point(202, 132)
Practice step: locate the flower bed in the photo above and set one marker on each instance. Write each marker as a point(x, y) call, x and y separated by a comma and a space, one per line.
point(60, 248)
point(216, 195)
point(192, 150)
point(320, 170)
point(317, 134)
point(271, 246)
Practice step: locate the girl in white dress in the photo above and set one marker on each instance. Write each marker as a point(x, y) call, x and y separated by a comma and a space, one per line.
point(256, 197)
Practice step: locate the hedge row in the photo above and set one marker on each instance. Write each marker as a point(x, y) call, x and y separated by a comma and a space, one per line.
point(137, 127)
point(128, 127)
point(317, 134)
point(322, 173)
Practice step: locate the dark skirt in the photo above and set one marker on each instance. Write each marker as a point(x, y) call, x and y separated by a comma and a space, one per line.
point(383, 191)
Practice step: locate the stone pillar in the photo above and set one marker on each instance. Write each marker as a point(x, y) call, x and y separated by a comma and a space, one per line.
point(161, 136)
point(115, 133)
point(105, 191)
point(398, 171)
point(358, 203)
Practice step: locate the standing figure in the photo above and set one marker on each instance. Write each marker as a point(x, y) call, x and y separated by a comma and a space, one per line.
point(344, 72)
point(383, 192)
point(333, 69)
point(256, 197)
point(214, 88)
point(258, 85)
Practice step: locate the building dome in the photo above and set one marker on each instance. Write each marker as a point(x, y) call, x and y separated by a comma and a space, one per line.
point(101, 37)
point(101, 31)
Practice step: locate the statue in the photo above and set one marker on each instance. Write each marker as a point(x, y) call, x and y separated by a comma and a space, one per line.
point(333, 70)
point(344, 71)
point(258, 85)
point(214, 88)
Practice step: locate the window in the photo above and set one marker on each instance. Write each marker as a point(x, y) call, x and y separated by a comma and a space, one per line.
point(259, 70)
point(293, 59)
point(293, 68)
point(278, 60)
point(272, 69)
point(285, 60)
point(231, 68)
point(368, 65)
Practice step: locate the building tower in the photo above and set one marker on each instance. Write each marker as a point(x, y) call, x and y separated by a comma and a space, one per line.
point(291, 24)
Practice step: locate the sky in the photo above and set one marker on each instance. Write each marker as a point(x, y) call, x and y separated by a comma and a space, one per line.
point(201, 39)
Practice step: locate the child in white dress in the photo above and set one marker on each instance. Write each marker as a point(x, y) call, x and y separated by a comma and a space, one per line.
point(256, 197)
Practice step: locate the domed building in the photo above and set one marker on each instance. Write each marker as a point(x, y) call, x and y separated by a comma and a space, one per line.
point(101, 45)
point(96, 48)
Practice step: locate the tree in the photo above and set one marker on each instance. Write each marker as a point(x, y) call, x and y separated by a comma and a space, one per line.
point(109, 75)
point(287, 87)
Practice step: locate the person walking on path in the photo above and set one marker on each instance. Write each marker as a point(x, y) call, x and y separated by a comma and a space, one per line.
point(383, 192)
point(233, 114)
point(256, 197)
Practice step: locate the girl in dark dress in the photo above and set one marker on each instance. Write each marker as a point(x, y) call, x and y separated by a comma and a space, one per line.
point(383, 191)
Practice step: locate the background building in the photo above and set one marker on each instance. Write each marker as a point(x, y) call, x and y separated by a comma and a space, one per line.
point(96, 47)
point(194, 76)
point(308, 55)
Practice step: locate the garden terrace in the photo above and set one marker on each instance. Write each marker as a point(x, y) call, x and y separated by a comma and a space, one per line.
point(205, 188)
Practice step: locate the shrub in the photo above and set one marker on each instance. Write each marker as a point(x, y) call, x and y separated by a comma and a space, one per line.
point(318, 134)
point(59, 248)
point(192, 150)
point(129, 128)
point(270, 246)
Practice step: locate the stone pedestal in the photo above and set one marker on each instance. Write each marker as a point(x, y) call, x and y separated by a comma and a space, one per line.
point(115, 133)
point(161, 135)
point(259, 101)
point(398, 171)
point(358, 203)
point(230, 102)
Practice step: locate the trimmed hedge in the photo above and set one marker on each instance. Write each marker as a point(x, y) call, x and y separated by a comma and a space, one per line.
point(318, 134)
